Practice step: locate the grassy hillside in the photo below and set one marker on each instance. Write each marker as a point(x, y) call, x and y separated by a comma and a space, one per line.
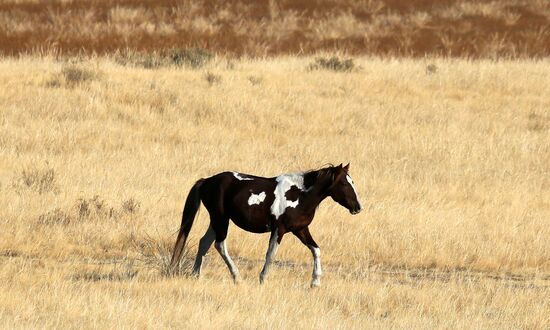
point(487, 29)
point(451, 158)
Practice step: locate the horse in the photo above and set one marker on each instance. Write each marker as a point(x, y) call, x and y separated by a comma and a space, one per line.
point(278, 205)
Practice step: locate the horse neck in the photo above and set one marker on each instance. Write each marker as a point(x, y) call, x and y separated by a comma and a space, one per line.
point(315, 191)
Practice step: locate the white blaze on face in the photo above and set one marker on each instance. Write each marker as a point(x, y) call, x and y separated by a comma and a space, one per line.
point(284, 183)
point(256, 199)
point(239, 177)
point(353, 187)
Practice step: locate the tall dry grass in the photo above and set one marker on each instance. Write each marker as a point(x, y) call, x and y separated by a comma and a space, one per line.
point(451, 158)
point(473, 29)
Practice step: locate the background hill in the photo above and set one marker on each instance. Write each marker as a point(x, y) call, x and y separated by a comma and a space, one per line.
point(507, 28)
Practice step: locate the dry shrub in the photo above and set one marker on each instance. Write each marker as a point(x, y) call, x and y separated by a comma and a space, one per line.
point(89, 209)
point(122, 272)
point(537, 122)
point(212, 78)
point(94, 208)
point(55, 217)
point(72, 75)
point(255, 80)
point(39, 180)
point(431, 69)
point(333, 63)
point(95, 276)
point(130, 206)
point(193, 58)
point(156, 253)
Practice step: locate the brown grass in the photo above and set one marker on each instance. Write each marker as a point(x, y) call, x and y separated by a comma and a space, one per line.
point(451, 158)
point(487, 29)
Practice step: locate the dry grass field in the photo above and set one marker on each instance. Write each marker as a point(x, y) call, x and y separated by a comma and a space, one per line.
point(451, 158)
point(465, 28)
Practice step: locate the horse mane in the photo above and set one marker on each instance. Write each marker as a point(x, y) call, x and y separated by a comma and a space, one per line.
point(322, 167)
point(320, 172)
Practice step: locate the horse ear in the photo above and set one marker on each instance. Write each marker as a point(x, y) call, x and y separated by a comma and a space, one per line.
point(337, 175)
point(346, 168)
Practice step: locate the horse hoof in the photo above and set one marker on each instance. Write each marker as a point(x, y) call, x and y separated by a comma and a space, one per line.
point(315, 284)
point(237, 280)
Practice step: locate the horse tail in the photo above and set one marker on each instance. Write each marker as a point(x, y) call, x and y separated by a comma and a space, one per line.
point(192, 205)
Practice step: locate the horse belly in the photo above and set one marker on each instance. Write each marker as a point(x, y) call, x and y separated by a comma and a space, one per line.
point(253, 218)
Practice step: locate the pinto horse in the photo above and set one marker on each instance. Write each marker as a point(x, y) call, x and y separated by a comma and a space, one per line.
point(279, 205)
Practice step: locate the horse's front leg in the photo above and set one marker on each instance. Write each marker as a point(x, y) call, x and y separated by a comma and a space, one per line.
point(274, 241)
point(305, 237)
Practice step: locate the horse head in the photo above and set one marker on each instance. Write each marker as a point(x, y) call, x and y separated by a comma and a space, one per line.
point(342, 190)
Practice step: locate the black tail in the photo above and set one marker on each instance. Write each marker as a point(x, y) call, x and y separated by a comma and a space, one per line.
point(192, 205)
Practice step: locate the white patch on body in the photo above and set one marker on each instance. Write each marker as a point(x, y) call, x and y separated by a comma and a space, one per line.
point(256, 199)
point(355, 191)
point(284, 184)
point(240, 178)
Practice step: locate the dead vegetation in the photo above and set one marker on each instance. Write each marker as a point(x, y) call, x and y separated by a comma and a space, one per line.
point(89, 209)
point(71, 76)
point(333, 63)
point(40, 180)
point(487, 29)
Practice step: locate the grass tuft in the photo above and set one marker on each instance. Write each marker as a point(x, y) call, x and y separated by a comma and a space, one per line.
point(194, 57)
point(71, 76)
point(212, 78)
point(333, 63)
point(130, 206)
point(88, 209)
point(39, 180)
point(157, 254)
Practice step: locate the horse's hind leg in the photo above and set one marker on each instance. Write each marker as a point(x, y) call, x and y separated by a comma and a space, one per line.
point(204, 245)
point(220, 228)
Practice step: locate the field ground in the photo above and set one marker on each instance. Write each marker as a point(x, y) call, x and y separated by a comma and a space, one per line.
point(474, 29)
point(450, 157)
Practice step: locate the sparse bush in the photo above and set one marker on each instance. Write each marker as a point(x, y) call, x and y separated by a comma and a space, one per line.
point(75, 75)
point(39, 180)
point(431, 69)
point(127, 272)
point(130, 206)
point(255, 80)
point(151, 61)
point(334, 63)
point(193, 57)
point(94, 208)
point(157, 254)
point(71, 75)
point(212, 78)
point(55, 217)
point(95, 276)
point(88, 209)
point(537, 122)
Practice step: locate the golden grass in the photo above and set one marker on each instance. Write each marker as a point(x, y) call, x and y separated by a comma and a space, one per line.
point(451, 158)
